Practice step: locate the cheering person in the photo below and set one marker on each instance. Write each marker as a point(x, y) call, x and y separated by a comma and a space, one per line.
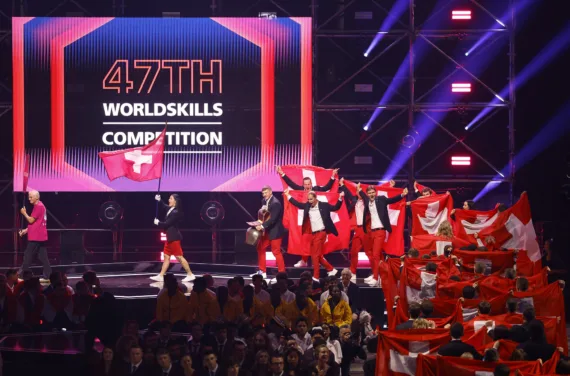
point(172, 246)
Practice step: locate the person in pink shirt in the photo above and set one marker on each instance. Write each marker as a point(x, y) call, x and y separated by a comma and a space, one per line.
point(37, 235)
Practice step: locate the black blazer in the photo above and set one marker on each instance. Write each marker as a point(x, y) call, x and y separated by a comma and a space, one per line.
point(352, 293)
point(350, 200)
point(382, 203)
point(274, 225)
point(324, 208)
point(405, 325)
point(457, 348)
point(316, 188)
point(171, 223)
point(142, 370)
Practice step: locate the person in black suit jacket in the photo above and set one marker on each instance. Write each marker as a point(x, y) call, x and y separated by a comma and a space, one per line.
point(350, 289)
point(457, 347)
point(273, 231)
point(317, 220)
point(136, 366)
point(307, 187)
point(414, 310)
point(165, 365)
point(172, 246)
point(211, 366)
point(377, 208)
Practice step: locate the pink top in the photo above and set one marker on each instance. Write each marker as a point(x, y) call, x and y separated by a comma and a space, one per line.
point(37, 231)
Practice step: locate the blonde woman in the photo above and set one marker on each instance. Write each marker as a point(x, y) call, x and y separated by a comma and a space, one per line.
point(445, 230)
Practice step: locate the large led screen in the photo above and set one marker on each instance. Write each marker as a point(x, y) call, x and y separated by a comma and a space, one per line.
point(235, 93)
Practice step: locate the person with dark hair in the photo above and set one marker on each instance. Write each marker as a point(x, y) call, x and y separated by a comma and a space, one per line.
point(13, 284)
point(54, 279)
point(414, 310)
point(307, 187)
point(322, 365)
point(456, 347)
point(447, 250)
point(529, 315)
point(136, 367)
point(202, 306)
point(426, 308)
point(376, 208)
point(426, 257)
point(301, 306)
point(302, 336)
point(537, 347)
point(413, 253)
point(491, 355)
point(293, 362)
point(501, 370)
point(234, 305)
point(510, 273)
point(369, 366)
point(211, 366)
point(468, 292)
point(336, 311)
point(167, 368)
point(431, 267)
point(174, 217)
point(350, 349)
point(484, 308)
point(479, 268)
point(277, 364)
point(521, 284)
point(171, 303)
point(317, 221)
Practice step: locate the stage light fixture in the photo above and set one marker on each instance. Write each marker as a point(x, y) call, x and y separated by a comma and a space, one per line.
point(212, 213)
point(460, 14)
point(460, 160)
point(458, 87)
point(110, 213)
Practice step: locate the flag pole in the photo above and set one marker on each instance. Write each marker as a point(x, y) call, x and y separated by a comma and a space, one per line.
point(161, 170)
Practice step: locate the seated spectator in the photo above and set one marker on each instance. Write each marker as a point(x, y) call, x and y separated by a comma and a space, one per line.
point(414, 310)
point(8, 306)
point(171, 304)
point(223, 347)
point(350, 349)
point(211, 366)
point(468, 292)
point(82, 301)
point(510, 273)
point(413, 253)
point(423, 324)
point(65, 282)
point(491, 355)
point(136, 366)
point(502, 370)
point(330, 281)
point(13, 284)
point(277, 364)
point(336, 311)
point(240, 354)
point(483, 311)
point(90, 277)
point(261, 342)
point(277, 329)
point(195, 344)
point(187, 366)
point(234, 305)
point(164, 334)
point(176, 348)
point(479, 268)
point(521, 284)
point(456, 347)
point(311, 354)
point(323, 366)
point(58, 309)
point(426, 308)
point(537, 347)
point(106, 366)
point(301, 306)
point(150, 340)
point(282, 285)
point(166, 365)
point(369, 366)
point(293, 362)
point(349, 287)
point(330, 334)
point(302, 336)
point(203, 306)
point(54, 278)
point(31, 304)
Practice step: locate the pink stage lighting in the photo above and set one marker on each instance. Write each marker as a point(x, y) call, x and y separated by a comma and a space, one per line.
point(460, 161)
point(461, 15)
point(458, 87)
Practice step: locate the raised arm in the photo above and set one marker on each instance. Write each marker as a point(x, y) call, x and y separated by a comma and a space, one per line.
point(292, 200)
point(338, 204)
point(393, 200)
point(291, 183)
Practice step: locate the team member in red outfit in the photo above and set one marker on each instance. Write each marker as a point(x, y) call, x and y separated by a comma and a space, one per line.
point(317, 220)
point(37, 235)
point(377, 208)
point(307, 187)
point(272, 231)
point(172, 246)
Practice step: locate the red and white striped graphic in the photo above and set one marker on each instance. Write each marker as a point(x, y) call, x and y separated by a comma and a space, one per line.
point(461, 15)
point(460, 161)
point(460, 87)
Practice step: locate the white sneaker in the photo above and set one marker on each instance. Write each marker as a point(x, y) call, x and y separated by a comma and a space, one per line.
point(158, 278)
point(259, 272)
point(353, 278)
point(301, 264)
point(189, 278)
point(369, 278)
point(372, 283)
point(273, 281)
point(332, 273)
point(316, 280)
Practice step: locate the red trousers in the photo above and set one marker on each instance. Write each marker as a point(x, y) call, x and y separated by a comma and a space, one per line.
point(317, 243)
point(275, 245)
point(375, 240)
point(358, 242)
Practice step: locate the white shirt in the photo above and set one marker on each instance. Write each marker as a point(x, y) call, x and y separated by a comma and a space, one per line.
point(288, 296)
point(167, 371)
point(359, 212)
point(375, 219)
point(169, 211)
point(317, 223)
point(263, 296)
point(304, 343)
point(334, 347)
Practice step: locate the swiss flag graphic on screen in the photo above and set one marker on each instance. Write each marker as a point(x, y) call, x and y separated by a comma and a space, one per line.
point(513, 229)
point(394, 244)
point(429, 212)
point(139, 164)
point(299, 243)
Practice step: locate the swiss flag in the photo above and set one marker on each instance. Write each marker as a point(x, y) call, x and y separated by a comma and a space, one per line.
point(299, 243)
point(429, 212)
point(139, 164)
point(513, 229)
point(469, 222)
point(319, 177)
point(427, 243)
point(394, 244)
point(469, 367)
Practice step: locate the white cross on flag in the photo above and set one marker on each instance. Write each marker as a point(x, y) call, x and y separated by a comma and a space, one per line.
point(139, 164)
point(429, 212)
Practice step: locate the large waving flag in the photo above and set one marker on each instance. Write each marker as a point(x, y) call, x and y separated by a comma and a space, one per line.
point(427, 243)
point(394, 243)
point(469, 222)
point(513, 229)
point(139, 164)
point(429, 212)
point(299, 244)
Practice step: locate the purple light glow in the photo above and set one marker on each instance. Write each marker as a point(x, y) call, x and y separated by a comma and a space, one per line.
point(395, 13)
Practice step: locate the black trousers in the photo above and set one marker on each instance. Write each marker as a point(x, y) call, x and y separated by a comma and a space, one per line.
point(36, 248)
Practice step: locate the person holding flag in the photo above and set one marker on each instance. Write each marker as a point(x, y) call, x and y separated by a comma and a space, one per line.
point(172, 246)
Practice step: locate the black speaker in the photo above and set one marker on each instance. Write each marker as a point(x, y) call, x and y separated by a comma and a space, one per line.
point(72, 248)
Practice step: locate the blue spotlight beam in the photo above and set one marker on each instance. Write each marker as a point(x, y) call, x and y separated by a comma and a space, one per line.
point(541, 61)
point(548, 135)
point(392, 16)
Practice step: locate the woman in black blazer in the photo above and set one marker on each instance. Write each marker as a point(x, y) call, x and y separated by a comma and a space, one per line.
point(172, 246)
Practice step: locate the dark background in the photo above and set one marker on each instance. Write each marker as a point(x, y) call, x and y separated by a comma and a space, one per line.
point(537, 101)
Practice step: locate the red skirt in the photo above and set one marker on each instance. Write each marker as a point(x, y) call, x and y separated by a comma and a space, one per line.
point(172, 248)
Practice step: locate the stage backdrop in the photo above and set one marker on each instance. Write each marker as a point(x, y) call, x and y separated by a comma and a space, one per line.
point(236, 93)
